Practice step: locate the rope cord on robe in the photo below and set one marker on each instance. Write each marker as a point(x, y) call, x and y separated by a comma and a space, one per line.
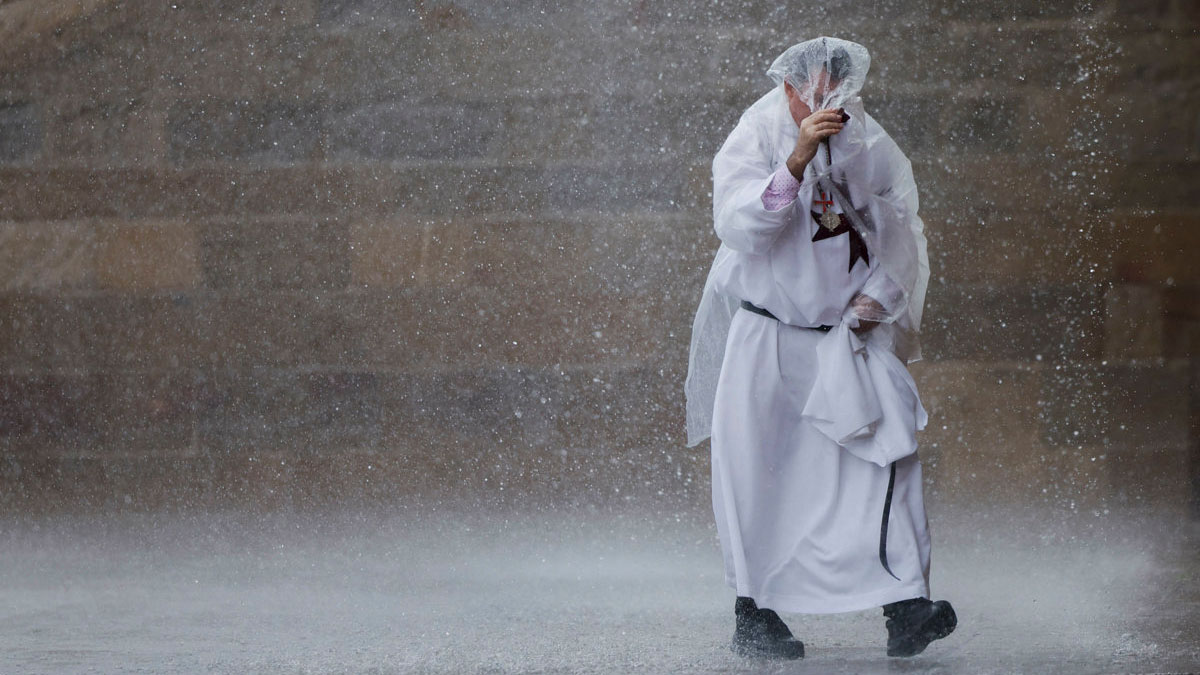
point(887, 510)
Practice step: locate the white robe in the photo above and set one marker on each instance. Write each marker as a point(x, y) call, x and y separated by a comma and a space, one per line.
point(804, 448)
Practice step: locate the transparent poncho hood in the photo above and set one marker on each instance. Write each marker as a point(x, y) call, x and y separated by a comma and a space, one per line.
point(813, 65)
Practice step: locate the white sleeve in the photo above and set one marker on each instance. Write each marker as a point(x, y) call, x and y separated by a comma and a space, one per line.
point(741, 174)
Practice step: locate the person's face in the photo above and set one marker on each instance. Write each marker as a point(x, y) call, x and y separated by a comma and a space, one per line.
point(816, 89)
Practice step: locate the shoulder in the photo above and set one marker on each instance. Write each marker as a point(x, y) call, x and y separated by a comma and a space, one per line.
point(877, 137)
point(767, 104)
point(755, 127)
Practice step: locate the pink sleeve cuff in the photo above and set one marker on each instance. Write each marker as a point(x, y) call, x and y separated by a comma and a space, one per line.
point(781, 191)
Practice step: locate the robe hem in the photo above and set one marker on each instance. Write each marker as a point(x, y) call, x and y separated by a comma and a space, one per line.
point(795, 604)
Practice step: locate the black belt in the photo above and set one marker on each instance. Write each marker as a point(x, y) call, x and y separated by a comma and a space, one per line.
point(746, 304)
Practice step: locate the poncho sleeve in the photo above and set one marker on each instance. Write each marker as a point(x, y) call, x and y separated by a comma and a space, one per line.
point(742, 172)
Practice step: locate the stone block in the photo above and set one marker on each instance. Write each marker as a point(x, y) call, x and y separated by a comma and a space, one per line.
point(1154, 247)
point(988, 124)
point(231, 15)
point(1137, 11)
point(519, 405)
point(473, 65)
point(987, 440)
point(46, 331)
point(74, 193)
point(696, 15)
point(384, 65)
point(1133, 321)
point(1153, 475)
point(355, 477)
point(645, 398)
point(344, 14)
point(147, 257)
point(245, 59)
point(268, 132)
point(306, 191)
point(125, 483)
point(144, 413)
point(105, 132)
point(522, 417)
point(635, 253)
point(1154, 127)
point(20, 341)
point(49, 408)
point(670, 124)
point(544, 128)
point(911, 119)
point(447, 189)
point(1194, 435)
point(459, 15)
point(976, 186)
point(299, 412)
point(1180, 302)
point(979, 404)
point(390, 253)
point(106, 57)
point(1154, 63)
point(457, 190)
point(423, 329)
point(142, 332)
point(537, 128)
point(21, 133)
point(1158, 185)
point(1134, 406)
point(685, 63)
point(1017, 56)
point(483, 253)
point(661, 186)
point(402, 130)
point(1000, 10)
point(279, 328)
point(262, 254)
point(1013, 241)
point(1063, 479)
point(1051, 323)
point(1181, 336)
point(1073, 478)
point(42, 256)
point(1187, 14)
point(252, 479)
point(354, 67)
point(21, 24)
point(152, 332)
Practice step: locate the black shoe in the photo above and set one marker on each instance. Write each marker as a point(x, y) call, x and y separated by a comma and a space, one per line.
point(913, 624)
point(761, 633)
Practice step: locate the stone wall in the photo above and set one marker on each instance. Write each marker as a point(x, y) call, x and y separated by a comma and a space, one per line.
point(286, 253)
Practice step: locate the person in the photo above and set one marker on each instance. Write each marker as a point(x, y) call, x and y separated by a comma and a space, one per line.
point(797, 371)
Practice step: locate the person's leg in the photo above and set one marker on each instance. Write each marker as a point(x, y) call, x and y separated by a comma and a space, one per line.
point(912, 624)
point(747, 399)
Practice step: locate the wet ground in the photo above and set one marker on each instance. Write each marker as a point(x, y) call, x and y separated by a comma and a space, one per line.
point(583, 590)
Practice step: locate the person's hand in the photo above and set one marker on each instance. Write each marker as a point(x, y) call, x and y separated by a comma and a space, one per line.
point(813, 129)
point(866, 306)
